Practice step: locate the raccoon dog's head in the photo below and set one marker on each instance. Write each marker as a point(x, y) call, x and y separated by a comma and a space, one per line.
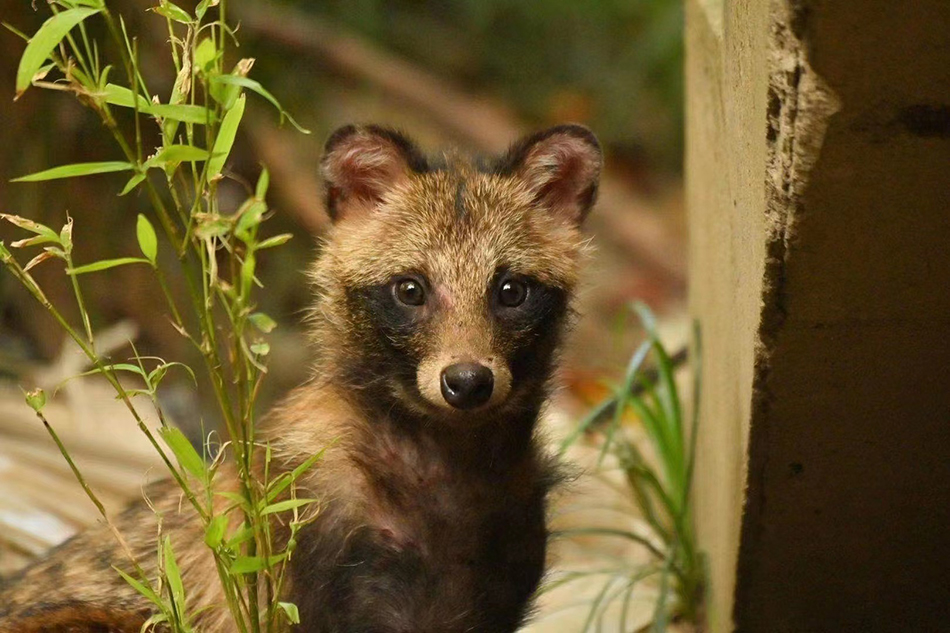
point(444, 285)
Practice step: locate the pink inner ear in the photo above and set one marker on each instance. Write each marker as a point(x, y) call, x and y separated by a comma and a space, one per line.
point(364, 168)
point(562, 171)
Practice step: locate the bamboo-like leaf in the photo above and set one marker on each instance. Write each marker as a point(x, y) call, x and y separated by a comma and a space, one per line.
point(238, 500)
point(247, 273)
point(76, 169)
point(36, 240)
point(203, 6)
point(173, 575)
point(173, 154)
point(214, 533)
point(135, 369)
point(166, 366)
point(151, 623)
point(290, 610)
point(251, 564)
point(205, 54)
point(144, 590)
point(123, 97)
point(95, 4)
point(105, 265)
point(148, 242)
point(66, 235)
point(187, 456)
point(36, 399)
point(262, 322)
point(44, 41)
point(173, 12)
point(263, 182)
point(210, 225)
point(39, 259)
point(249, 218)
point(260, 348)
point(31, 226)
point(284, 506)
point(184, 113)
point(132, 183)
point(243, 534)
point(277, 240)
point(255, 86)
point(281, 484)
point(225, 140)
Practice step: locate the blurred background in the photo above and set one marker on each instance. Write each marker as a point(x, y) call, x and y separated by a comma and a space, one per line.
point(472, 73)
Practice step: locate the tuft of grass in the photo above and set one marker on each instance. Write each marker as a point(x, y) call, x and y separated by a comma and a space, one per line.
point(659, 488)
point(217, 248)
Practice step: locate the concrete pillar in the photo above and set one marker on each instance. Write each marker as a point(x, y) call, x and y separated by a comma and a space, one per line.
point(818, 179)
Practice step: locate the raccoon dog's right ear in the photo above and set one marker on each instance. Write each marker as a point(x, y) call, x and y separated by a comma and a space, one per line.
point(361, 164)
point(560, 166)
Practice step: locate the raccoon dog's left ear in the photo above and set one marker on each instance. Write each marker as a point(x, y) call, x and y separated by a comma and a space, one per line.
point(560, 166)
point(361, 164)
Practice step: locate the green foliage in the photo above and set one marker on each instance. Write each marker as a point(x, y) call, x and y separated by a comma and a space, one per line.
point(77, 169)
point(660, 487)
point(44, 41)
point(616, 64)
point(216, 249)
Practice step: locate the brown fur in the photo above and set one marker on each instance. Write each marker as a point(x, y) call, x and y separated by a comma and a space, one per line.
point(431, 518)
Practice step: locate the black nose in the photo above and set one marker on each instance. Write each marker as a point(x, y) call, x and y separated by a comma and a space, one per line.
point(467, 385)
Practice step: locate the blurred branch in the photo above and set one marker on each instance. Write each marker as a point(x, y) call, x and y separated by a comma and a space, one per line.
point(624, 217)
point(299, 188)
point(488, 125)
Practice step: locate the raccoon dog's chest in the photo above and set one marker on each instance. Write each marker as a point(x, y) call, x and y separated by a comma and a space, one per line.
point(437, 549)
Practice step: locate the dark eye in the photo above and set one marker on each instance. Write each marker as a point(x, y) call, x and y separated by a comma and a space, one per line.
point(512, 293)
point(410, 292)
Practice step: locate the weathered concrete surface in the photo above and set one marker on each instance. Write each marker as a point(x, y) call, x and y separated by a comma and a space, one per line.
point(819, 191)
point(727, 85)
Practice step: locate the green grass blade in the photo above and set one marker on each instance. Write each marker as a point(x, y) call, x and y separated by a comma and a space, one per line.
point(612, 532)
point(76, 169)
point(668, 393)
point(661, 612)
point(633, 367)
point(591, 417)
point(657, 433)
point(697, 364)
point(596, 603)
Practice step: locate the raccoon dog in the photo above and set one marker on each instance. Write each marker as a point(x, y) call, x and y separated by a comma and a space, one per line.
point(443, 290)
